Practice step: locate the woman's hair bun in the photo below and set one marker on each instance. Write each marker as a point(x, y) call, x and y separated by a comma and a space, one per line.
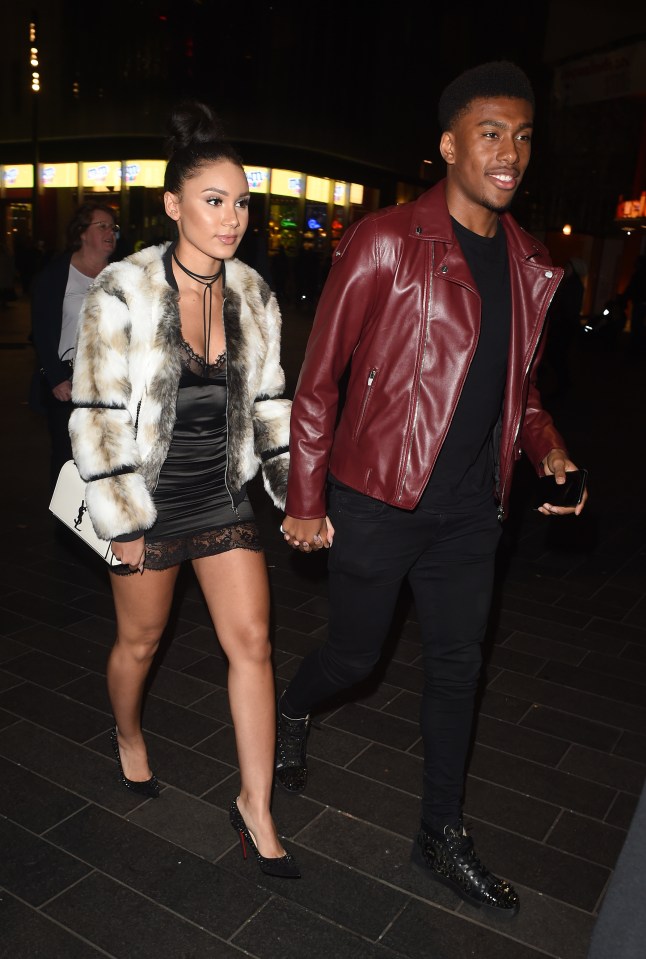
point(192, 124)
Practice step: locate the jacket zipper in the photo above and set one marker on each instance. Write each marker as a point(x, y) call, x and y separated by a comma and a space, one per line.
point(366, 399)
point(501, 509)
point(226, 460)
point(400, 491)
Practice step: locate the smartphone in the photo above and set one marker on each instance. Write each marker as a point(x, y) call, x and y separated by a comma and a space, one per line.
point(569, 493)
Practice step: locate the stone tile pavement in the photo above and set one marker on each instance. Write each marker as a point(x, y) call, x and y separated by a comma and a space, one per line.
point(558, 764)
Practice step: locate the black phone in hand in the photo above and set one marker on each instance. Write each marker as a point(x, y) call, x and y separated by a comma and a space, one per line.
point(569, 493)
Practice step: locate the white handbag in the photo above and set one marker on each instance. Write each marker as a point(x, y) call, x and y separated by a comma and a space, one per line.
point(68, 504)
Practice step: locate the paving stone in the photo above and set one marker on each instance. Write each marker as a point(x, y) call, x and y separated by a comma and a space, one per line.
point(552, 785)
point(519, 741)
point(422, 931)
point(43, 670)
point(508, 808)
point(210, 669)
point(375, 725)
point(374, 851)
point(584, 704)
point(542, 868)
point(621, 811)
point(591, 681)
point(200, 891)
point(37, 609)
point(550, 648)
point(594, 765)
point(53, 711)
point(505, 657)
point(631, 746)
point(188, 823)
point(28, 934)
point(11, 649)
point(344, 896)
point(50, 871)
point(132, 927)
point(31, 801)
point(67, 764)
point(291, 932)
point(587, 838)
point(391, 767)
point(571, 728)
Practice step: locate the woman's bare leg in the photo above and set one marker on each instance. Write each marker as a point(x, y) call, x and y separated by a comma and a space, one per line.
point(236, 590)
point(142, 605)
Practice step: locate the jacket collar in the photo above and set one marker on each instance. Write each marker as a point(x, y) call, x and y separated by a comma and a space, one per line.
point(430, 220)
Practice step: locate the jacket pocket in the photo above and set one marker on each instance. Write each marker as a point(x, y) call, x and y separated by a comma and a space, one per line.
point(367, 393)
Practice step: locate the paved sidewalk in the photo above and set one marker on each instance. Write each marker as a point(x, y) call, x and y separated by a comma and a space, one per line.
point(87, 870)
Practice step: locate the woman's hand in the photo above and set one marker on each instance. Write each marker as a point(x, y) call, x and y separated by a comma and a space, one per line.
point(130, 554)
point(63, 391)
point(307, 535)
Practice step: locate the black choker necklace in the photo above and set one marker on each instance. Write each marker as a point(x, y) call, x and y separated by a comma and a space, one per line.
point(207, 282)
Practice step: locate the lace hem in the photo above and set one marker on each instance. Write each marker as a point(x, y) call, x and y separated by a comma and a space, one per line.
point(171, 552)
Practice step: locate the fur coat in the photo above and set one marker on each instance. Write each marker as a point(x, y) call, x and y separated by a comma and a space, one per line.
point(126, 376)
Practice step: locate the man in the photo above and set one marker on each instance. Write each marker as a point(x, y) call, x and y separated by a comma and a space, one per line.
point(438, 307)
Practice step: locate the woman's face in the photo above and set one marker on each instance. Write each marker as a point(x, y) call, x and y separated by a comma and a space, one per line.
point(99, 238)
point(212, 211)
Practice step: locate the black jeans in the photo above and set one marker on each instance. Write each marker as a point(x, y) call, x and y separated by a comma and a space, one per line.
point(449, 561)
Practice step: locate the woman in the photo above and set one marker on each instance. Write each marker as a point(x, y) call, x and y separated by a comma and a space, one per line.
point(175, 381)
point(58, 293)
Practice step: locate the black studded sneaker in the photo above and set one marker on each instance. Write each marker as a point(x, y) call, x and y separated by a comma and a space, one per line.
point(453, 862)
point(291, 743)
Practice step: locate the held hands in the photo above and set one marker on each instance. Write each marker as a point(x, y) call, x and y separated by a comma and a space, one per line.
point(307, 535)
point(556, 463)
point(130, 554)
point(63, 391)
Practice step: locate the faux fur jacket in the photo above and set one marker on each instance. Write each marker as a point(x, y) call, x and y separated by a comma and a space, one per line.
point(126, 376)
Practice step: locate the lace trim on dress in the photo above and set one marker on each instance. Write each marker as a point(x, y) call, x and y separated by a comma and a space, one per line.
point(170, 552)
point(197, 364)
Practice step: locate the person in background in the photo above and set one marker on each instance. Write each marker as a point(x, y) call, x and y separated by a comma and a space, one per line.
point(437, 307)
point(177, 386)
point(56, 298)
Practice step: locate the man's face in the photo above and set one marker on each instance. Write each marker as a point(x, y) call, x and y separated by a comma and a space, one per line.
point(487, 152)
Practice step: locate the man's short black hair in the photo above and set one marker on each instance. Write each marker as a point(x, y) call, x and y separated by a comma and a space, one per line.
point(498, 78)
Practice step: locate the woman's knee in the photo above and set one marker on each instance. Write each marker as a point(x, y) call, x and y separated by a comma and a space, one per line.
point(250, 644)
point(140, 645)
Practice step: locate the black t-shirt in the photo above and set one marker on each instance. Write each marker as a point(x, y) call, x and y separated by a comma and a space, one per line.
point(463, 476)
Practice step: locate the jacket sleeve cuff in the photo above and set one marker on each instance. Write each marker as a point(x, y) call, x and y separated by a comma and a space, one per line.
point(128, 537)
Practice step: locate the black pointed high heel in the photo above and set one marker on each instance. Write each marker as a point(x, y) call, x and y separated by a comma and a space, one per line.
point(282, 866)
point(148, 787)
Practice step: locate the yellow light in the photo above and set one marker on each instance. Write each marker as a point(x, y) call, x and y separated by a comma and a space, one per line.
point(32, 32)
point(567, 229)
point(317, 189)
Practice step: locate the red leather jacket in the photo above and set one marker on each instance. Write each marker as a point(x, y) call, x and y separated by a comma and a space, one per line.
point(401, 305)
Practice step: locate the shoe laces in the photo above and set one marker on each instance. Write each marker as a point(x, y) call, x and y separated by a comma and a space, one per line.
point(292, 737)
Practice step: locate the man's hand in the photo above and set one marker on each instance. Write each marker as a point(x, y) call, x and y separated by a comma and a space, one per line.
point(130, 554)
point(63, 391)
point(308, 535)
point(556, 464)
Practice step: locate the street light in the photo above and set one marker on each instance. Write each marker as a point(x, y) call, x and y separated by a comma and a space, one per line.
point(34, 64)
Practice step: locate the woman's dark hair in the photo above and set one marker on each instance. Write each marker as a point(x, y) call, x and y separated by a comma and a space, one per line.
point(82, 219)
point(499, 78)
point(196, 138)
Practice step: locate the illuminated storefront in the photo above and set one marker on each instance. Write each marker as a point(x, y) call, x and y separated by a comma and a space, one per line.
point(299, 212)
